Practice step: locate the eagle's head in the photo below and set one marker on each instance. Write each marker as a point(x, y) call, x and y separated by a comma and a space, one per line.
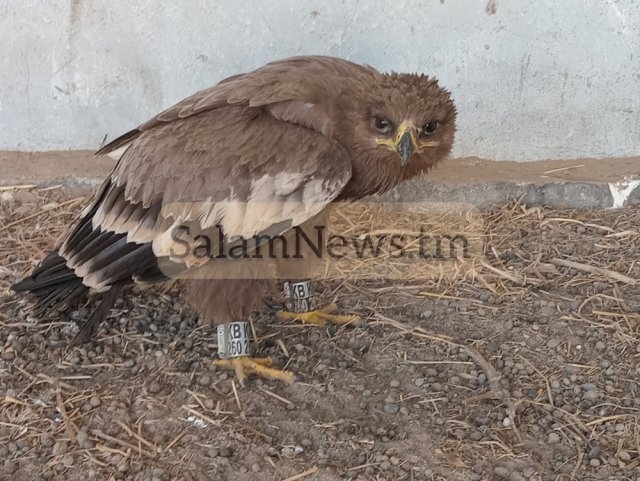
point(399, 128)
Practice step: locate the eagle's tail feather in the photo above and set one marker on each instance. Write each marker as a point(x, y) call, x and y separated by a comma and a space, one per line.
point(89, 328)
point(53, 283)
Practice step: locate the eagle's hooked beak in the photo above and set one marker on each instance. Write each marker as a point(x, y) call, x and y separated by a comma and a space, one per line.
point(404, 143)
point(405, 148)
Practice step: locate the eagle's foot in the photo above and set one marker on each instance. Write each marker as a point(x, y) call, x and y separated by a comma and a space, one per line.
point(260, 366)
point(320, 317)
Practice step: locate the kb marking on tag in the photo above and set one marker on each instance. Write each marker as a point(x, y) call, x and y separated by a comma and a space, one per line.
point(298, 296)
point(233, 339)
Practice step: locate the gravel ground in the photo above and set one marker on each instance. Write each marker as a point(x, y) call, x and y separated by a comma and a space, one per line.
point(529, 370)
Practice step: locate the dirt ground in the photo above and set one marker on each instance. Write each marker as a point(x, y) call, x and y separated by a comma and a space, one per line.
point(526, 370)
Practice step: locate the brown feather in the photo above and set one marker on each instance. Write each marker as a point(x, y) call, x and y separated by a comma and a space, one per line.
point(292, 134)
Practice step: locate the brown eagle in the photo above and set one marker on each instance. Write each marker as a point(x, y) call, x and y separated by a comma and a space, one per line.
point(296, 135)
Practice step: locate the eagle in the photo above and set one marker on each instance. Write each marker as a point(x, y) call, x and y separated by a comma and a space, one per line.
point(285, 141)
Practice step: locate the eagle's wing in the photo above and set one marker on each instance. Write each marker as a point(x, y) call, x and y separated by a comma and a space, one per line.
point(234, 166)
point(295, 89)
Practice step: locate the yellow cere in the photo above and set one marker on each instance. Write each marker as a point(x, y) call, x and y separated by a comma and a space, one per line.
point(406, 126)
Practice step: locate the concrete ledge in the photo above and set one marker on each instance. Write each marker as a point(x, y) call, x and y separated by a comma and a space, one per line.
point(575, 195)
point(578, 184)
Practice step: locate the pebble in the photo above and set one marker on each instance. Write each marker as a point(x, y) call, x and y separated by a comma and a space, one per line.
point(225, 452)
point(553, 342)
point(154, 387)
point(600, 345)
point(394, 383)
point(590, 396)
point(47, 441)
point(501, 472)
point(391, 408)
point(9, 467)
point(94, 401)
point(482, 379)
point(516, 476)
point(419, 381)
point(624, 456)
point(59, 448)
point(554, 438)
point(595, 462)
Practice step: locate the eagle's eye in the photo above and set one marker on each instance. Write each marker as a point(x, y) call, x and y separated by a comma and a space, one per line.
point(430, 127)
point(383, 125)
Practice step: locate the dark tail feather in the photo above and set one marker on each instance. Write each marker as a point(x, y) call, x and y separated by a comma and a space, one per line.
point(57, 286)
point(53, 284)
point(89, 328)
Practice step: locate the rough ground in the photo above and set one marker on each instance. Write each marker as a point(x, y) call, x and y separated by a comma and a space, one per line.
point(529, 370)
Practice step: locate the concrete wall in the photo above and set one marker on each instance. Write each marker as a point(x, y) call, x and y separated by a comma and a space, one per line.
point(533, 79)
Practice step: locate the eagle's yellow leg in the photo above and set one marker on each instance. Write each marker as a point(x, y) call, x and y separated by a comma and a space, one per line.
point(319, 317)
point(260, 366)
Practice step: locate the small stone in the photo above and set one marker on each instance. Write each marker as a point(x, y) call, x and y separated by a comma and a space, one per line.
point(9, 467)
point(590, 396)
point(154, 387)
point(595, 462)
point(306, 443)
point(528, 472)
point(594, 452)
point(554, 438)
point(482, 379)
point(46, 441)
point(59, 448)
point(123, 467)
point(94, 401)
point(506, 422)
point(225, 452)
point(419, 381)
point(394, 383)
point(624, 456)
point(516, 476)
point(67, 460)
point(428, 314)
point(391, 408)
point(600, 345)
point(553, 342)
point(501, 472)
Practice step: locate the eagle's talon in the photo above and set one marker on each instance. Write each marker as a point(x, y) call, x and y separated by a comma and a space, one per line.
point(261, 366)
point(320, 317)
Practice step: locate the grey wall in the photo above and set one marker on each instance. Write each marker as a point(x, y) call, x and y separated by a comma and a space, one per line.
point(533, 79)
